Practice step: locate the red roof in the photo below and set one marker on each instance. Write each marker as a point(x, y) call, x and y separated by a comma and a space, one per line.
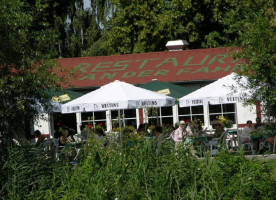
point(169, 66)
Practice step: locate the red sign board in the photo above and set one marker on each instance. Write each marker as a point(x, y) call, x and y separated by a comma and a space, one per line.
point(169, 66)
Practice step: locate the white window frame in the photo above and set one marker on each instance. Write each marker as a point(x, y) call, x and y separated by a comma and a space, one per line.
point(222, 113)
point(191, 115)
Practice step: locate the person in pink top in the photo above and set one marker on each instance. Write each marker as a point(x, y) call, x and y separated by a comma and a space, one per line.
point(179, 132)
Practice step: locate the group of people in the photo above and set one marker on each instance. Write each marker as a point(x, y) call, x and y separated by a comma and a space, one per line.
point(247, 131)
point(97, 134)
point(182, 133)
point(65, 135)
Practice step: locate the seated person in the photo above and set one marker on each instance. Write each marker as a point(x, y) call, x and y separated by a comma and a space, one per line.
point(219, 129)
point(259, 126)
point(40, 138)
point(246, 132)
point(198, 130)
point(188, 129)
point(141, 128)
point(70, 137)
point(84, 131)
point(158, 135)
point(61, 135)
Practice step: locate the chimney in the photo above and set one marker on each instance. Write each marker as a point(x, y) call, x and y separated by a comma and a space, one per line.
point(177, 45)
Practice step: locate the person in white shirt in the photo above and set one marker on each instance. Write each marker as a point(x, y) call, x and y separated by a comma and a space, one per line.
point(247, 130)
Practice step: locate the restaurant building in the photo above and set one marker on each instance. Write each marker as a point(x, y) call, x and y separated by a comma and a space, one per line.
point(191, 69)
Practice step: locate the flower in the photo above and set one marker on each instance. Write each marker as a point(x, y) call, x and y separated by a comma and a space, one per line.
point(222, 121)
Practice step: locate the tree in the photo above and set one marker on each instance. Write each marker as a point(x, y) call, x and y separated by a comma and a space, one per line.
point(146, 26)
point(27, 69)
point(80, 28)
point(255, 23)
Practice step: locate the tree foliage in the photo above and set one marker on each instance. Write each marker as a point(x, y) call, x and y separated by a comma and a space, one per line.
point(33, 32)
point(146, 26)
point(256, 29)
point(79, 27)
point(27, 46)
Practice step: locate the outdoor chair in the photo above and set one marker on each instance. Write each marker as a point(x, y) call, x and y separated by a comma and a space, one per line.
point(47, 144)
point(274, 144)
point(245, 141)
point(78, 138)
point(216, 143)
point(232, 138)
point(58, 148)
point(264, 145)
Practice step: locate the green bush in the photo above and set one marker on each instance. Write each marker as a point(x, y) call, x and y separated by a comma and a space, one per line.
point(139, 171)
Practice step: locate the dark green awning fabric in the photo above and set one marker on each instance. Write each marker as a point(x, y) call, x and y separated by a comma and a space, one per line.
point(63, 96)
point(169, 89)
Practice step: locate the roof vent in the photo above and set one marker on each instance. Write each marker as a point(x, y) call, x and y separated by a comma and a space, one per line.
point(177, 45)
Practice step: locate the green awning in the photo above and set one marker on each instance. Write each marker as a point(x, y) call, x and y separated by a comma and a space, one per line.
point(63, 96)
point(169, 89)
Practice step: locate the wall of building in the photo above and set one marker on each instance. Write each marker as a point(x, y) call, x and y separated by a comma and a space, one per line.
point(245, 113)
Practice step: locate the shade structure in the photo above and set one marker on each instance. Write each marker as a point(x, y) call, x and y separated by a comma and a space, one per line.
point(115, 96)
point(57, 98)
point(64, 96)
point(224, 90)
point(168, 89)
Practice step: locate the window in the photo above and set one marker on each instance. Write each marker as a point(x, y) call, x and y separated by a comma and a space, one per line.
point(94, 118)
point(161, 115)
point(191, 113)
point(226, 110)
point(127, 117)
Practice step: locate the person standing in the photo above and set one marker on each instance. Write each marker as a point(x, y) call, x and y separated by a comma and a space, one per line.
point(179, 133)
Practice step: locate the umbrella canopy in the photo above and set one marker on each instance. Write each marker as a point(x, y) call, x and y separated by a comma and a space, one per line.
point(57, 99)
point(115, 96)
point(224, 90)
point(169, 89)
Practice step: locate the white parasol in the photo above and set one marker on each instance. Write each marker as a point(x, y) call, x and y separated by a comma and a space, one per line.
point(224, 90)
point(115, 96)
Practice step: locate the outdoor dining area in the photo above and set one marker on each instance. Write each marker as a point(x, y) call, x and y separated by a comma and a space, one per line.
point(188, 135)
point(201, 134)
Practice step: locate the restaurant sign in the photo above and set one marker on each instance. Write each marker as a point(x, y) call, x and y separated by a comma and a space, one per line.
point(187, 65)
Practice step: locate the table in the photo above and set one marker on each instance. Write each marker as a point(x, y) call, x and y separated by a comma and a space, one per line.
point(260, 139)
point(74, 144)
